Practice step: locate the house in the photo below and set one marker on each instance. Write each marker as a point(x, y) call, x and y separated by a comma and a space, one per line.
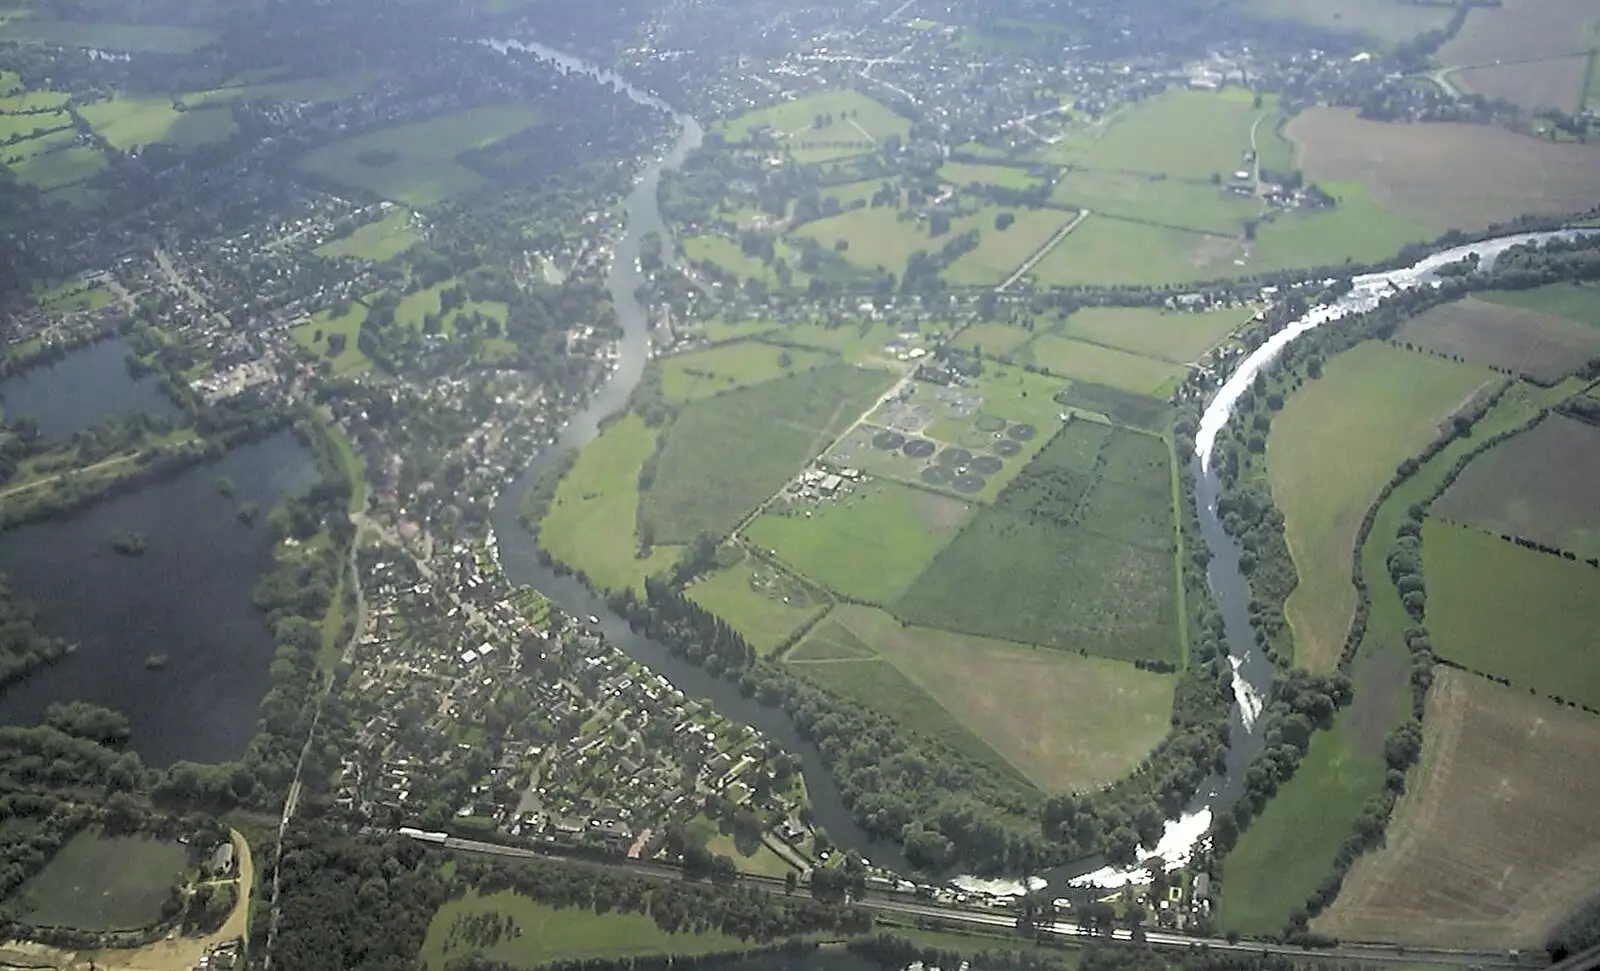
point(222, 860)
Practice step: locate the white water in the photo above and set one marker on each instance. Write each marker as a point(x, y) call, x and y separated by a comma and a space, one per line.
point(997, 887)
point(1245, 694)
point(1177, 844)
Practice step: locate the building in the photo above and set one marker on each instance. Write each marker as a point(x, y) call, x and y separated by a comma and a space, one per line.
point(222, 860)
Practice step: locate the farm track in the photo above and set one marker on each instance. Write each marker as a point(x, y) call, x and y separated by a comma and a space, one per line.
point(1044, 250)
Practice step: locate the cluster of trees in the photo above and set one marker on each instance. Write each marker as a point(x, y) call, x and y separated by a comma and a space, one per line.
point(38, 825)
point(688, 628)
point(23, 647)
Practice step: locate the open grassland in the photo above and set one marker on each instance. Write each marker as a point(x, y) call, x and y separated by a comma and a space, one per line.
point(699, 374)
point(868, 544)
point(1359, 229)
point(725, 254)
point(1503, 798)
point(854, 340)
point(53, 170)
point(544, 934)
point(1175, 336)
point(1184, 134)
point(1331, 449)
point(592, 521)
point(965, 173)
point(1388, 22)
point(312, 90)
point(1109, 252)
point(1104, 365)
point(1515, 613)
point(758, 600)
point(1158, 198)
point(132, 123)
point(991, 339)
point(1575, 301)
point(1511, 174)
point(416, 163)
point(347, 360)
point(1533, 53)
point(19, 100)
point(378, 241)
point(822, 127)
point(28, 125)
point(416, 306)
point(880, 239)
point(1539, 485)
point(726, 455)
point(1069, 723)
point(74, 296)
point(97, 882)
point(1543, 347)
point(137, 38)
point(1001, 251)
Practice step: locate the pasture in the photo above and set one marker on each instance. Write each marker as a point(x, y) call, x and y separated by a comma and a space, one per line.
point(1542, 347)
point(1541, 44)
point(1177, 336)
point(378, 241)
point(541, 934)
point(1538, 485)
point(1105, 251)
point(761, 602)
point(98, 882)
point(1574, 301)
point(868, 544)
point(884, 238)
point(1359, 229)
point(1104, 365)
point(60, 168)
point(822, 127)
point(346, 360)
point(592, 521)
point(1503, 797)
point(1184, 134)
point(1331, 449)
point(416, 163)
point(725, 254)
point(1511, 174)
point(1158, 198)
point(19, 100)
point(1387, 22)
point(699, 374)
point(1000, 251)
point(29, 125)
point(132, 123)
point(726, 455)
point(963, 174)
point(1515, 613)
point(307, 90)
point(135, 38)
point(991, 339)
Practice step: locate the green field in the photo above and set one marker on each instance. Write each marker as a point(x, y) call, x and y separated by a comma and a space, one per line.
point(315, 90)
point(725, 254)
point(1108, 252)
point(869, 544)
point(1384, 21)
point(1515, 613)
point(726, 455)
point(1360, 229)
point(52, 170)
point(698, 374)
point(885, 237)
point(417, 163)
point(1331, 449)
point(546, 934)
point(416, 306)
point(1175, 336)
point(963, 174)
point(376, 241)
point(591, 524)
point(1163, 199)
point(98, 882)
point(1184, 134)
point(132, 123)
point(139, 38)
point(19, 100)
point(1000, 252)
point(1574, 301)
point(27, 125)
point(74, 296)
point(349, 360)
point(763, 603)
point(852, 124)
point(991, 339)
point(1103, 365)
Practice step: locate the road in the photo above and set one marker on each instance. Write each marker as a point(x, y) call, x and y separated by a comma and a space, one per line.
point(1043, 251)
point(913, 907)
point(176, 279)
point(36, 483)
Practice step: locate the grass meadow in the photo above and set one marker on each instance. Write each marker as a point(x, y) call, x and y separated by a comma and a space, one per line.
point(136, 38)
point(1104, 365)
point(349, 360)
point(859, 124)
point(1158, 198)
point(132, 123)
point(1575, 301)
point(1176, 336)
point(1108, 252)
point(378, 241)
point(1184, 134)
point(97, 882)
point(700, 374)
point(758, 600)
point(963, 174)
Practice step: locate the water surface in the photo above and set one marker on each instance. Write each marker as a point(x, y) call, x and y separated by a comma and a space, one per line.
point(82, 389)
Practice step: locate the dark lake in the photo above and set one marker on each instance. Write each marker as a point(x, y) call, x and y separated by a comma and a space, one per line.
point(187, 597)
point(83, 388)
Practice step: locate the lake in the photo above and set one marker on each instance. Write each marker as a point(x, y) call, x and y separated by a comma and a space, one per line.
point(82, 389)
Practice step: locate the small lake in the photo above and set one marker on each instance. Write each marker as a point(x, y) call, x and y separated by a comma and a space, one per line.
point(188, 597)
point(87, 386)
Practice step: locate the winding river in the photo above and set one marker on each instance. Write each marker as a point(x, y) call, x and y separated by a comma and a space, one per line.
point(1252, 672)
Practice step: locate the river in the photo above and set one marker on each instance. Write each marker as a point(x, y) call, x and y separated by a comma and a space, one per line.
point(1252, 670)
point(81, 389)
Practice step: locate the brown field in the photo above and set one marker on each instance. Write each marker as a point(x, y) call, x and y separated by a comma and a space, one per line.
point(1543, 347)
point(1543, 46)
point(1497, 837)
point(1539, 485)
point(1405, 166)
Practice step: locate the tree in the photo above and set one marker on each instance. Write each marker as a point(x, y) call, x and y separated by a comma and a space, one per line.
point(1003, 221)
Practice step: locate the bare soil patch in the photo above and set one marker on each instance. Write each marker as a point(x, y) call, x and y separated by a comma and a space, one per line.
point(1553, 82)
point(1447, 175)
point(1543, 347)
point(942, 512)
point(1542, 47)
point(1497, 838)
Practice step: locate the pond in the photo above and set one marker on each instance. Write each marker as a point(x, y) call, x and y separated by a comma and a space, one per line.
point(82, 389)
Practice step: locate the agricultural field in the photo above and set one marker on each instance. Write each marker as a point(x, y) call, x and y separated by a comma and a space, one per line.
point(1158, 198)
point(1542, 347)
point(32, 123)
point(850, 124)
point(1331, 449)
point(1183, 134)
point(880, 239)
point(1497, 608)
point(855, 341)
point(60, 168)
point(97, 882)
point(1399, 164)
point(1106, 251)
point(1538, 485)
point(1386, 22)
point(132, 123)
point(725, 254)
point(764, 604)
point(1177, 336)
point(378, 241)
point(543, 934)
point(592, 521)
point(1503, 797)
point(1529, 52)
point(868, 544)
point(1105, 365)
point(1359, 229)
point(699, 374)
point(1574, 301)
point(416, 164)
point(963, 174)
point(991, 339)
point(726, 455)
point(348, 359)
point(312, 90)
point(136, 38)
point(1001, 251)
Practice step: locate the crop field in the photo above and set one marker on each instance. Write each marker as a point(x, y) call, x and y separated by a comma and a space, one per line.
point(349, 360)
point(1574, 301)
point(1103, 365)
point(1538, 485)
point(1001, 251)
point(1386, 21)
point(857, 125)
point(138, 38)
point(1542, 347)
point(1068, 723)
point(132, 123)
point(726, 455)
point(963, 174)
point(1109, 252)
point(1158, 198)
point(1515, 613)
point(545, 935)
point(379, 241)
point(869, 544)
point(1176, 336)
point(98, 882)
point(764, 604)
point(1542, 44)
point(1331, 449)
point(1511, 174)
point(591, 524)
point(699, 374)
point(1185, 134)
point(1503, 797)
point(416, 163)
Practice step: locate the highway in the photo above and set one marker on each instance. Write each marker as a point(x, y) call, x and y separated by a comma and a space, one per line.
point(908, 906)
